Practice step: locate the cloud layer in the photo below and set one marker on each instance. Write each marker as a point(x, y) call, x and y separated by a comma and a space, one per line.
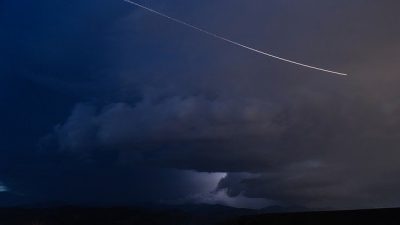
point(134, 99)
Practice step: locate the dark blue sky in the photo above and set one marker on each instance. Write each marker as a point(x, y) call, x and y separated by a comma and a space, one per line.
point(104, 103)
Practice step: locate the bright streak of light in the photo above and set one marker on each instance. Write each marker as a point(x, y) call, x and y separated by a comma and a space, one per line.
point(233, 42)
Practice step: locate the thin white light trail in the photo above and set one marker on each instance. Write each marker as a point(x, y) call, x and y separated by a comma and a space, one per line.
point(233, 42)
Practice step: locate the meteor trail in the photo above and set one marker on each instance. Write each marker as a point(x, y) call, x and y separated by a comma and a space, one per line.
point(232, 42)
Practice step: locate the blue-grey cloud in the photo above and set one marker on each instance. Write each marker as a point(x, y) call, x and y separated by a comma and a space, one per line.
point(112, 96)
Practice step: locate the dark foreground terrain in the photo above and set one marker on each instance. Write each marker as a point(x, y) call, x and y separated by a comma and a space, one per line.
point(355, 217)
point(191, 215)
point(158, 215)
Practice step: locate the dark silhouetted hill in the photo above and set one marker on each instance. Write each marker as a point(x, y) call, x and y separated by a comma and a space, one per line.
point(350, 217)
point(191, 214)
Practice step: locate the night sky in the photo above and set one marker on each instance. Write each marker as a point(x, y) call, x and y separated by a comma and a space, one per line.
point(103, 103)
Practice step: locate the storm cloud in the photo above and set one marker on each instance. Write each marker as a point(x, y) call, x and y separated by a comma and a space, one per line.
point(142, 97)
